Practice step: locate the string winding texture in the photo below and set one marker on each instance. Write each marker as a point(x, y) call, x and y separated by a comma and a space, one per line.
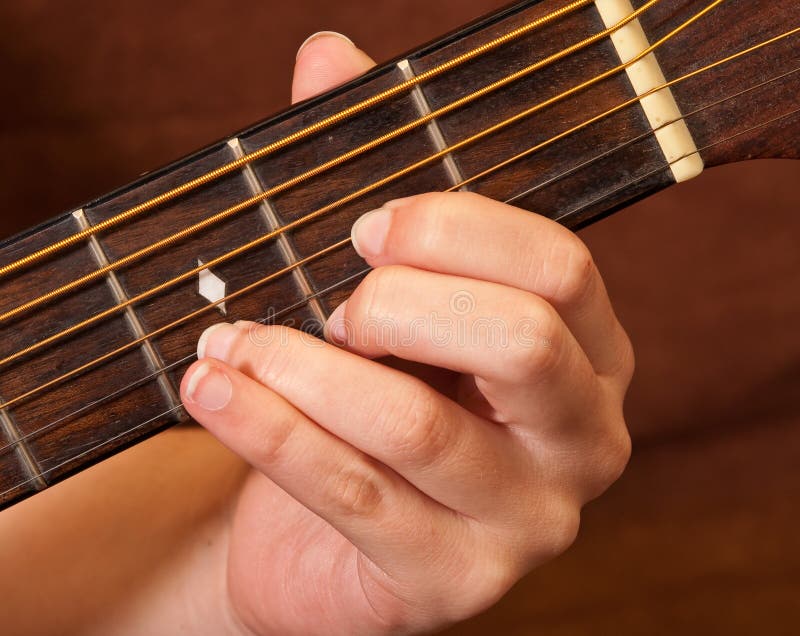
point(359, 193)
point(179, 407)
point(343, 243)
point(314, 172)
point(294, 137)
point(550, 181)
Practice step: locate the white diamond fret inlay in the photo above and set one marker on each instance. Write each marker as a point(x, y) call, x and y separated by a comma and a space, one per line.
point(212, 288)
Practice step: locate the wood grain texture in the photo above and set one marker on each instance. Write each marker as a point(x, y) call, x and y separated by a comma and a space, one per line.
point(703, 277)
point(547, 182)
point(738, 25)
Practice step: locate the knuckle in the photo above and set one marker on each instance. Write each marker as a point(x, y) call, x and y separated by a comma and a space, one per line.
point(369, 299)
point(414, 428)
point(627, 364)
point(354, 491)
point(573, 273)
point(562, 531)
point(273, 441)
point(616, 454)
point(539, 352)
point(431, 219)
point(269, 360)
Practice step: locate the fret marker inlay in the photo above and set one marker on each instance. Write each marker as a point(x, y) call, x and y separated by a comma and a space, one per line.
point(660, 108)
point(212, 288)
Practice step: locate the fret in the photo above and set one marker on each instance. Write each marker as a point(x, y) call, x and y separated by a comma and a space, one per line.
point(186, 297)
point(605, 180)
point(424, 108)
point(274, 222)
point(54, 427)
point(171, 393)
point(32, 472)
point(344, 179)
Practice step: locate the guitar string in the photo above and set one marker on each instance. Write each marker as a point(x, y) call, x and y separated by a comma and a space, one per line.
point(347, 241)
point(316, 171)
point(537, 187)
point(654, 172)
point(543, 184)
point(173, 365)
point(626, 104)
point(301, 134)
point(352, 196)
point(271, 277)
point(42, 474)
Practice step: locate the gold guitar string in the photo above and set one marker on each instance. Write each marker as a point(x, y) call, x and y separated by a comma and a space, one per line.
point(178, 407)
point(355, 195)
point(294, 137)
point(313, 257)
point(307, 299)
point(157, 332)
point(620, 107)
point(646, 135)
point(329, 165)
point(174, 365)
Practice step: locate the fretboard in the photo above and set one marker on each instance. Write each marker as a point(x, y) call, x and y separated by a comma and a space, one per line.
point(97, 333)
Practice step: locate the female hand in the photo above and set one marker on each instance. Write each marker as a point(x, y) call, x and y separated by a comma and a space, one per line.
point(378, 504)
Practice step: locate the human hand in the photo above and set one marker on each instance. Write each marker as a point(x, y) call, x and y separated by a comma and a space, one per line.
point(378, 504)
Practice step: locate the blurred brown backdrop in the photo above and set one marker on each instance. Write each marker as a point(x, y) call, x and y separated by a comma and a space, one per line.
point(700, 536)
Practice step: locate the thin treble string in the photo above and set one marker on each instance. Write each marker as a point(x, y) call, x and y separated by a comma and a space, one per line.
point(295, 137)
point(314, 172)
point(359, 193)
point(363, 272)
point(157, 332)
point(92, 363)
point(624, 105)
point(634, 140)
point(168, 412)
point(174, 365)
point(656, 171)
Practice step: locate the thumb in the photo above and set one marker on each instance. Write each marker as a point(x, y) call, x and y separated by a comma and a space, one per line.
point(324, 61)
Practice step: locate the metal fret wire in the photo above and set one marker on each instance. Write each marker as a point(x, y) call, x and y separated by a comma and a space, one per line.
point(516, 197)
point(363, 272)
point(174, 365)
point(319, 212)
point(296, 136)
point(535, 188)
point(355, 195)
point(177, 408)
point(314, 172)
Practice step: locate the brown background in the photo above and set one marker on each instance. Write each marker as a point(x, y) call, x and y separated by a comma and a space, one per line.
point(701, 533)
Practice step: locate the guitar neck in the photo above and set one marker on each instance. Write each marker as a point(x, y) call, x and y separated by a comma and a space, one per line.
point(100, 309)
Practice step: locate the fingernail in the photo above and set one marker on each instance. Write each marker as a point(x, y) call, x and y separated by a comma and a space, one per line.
point(336, 327)
point(370, 231)
point(322, 34)
point(209, 387)
point(219, 345)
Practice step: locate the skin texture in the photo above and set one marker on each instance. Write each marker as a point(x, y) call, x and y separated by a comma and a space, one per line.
point(413, 487)
point(405, 491)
